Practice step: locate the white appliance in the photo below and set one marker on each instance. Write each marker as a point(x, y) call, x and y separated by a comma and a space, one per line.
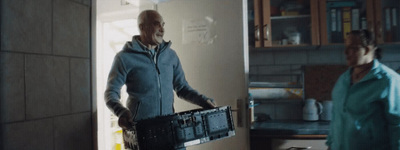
point(311, 110)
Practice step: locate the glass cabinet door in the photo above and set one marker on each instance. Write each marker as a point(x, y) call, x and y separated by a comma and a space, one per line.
point(281, 23)
point(340, 17)
point(387, 21)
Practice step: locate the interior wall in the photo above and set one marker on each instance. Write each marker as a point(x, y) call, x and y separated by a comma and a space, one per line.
point(45, 76)
point(286, 66)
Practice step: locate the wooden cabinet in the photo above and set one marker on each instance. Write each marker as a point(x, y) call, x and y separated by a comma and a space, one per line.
point(281, 23)
point(311, 142)
point(298, 144)
point(340, 17)
point(294, 23)
point(387, 21)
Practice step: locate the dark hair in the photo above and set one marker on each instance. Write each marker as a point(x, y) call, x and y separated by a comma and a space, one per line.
point(368, 38)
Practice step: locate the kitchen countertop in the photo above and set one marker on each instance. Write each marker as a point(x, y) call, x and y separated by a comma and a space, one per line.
point(290, 128)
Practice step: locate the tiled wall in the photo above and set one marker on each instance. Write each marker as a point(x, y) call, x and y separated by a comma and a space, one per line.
point(45, 75)
point(285, 66)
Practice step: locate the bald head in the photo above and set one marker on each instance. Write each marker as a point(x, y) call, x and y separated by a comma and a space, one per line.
point(151, 26)
point(146, 15)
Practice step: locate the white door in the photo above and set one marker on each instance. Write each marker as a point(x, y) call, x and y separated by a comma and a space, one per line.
point(210, 38)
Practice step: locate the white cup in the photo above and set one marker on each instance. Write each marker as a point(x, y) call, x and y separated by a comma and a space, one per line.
point(326, 114)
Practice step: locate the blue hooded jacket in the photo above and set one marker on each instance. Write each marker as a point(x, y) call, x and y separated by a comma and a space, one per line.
point(150, 83)
point(366, 115)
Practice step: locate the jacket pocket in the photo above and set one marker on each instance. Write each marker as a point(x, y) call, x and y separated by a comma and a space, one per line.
point(135, 110)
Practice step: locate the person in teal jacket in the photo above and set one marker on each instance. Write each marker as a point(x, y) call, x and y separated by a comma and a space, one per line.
point(151, 71)
point(366, 100)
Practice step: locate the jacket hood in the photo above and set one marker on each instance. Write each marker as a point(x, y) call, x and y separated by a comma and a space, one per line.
point(135, 46)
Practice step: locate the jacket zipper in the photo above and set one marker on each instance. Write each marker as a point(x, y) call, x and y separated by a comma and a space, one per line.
point(159, 81)
point(159, 87)
point(158, 77)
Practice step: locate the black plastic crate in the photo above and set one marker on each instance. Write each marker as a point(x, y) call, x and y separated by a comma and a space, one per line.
point(184, 129)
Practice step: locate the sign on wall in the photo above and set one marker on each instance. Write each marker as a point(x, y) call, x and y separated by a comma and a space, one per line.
point(200, 31)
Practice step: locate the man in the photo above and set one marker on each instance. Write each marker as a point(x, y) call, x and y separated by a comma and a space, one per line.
point(151, 71)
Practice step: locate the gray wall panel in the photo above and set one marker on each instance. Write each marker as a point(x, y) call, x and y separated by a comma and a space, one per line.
point(12, 87)
point(71, 132)
point(80, 84)
point(26, 26)
point(29, 135)
point(47, 86)
point(71, 29)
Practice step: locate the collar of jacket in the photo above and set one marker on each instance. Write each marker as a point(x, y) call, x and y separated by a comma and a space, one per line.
point(374, 73)
point(135, 46)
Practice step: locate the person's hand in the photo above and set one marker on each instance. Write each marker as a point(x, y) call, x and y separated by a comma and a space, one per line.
point(125, 121)
point(210, 103)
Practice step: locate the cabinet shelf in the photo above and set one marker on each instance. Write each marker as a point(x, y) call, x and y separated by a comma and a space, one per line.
point(292, 28)
point(290, 17)
point(296, 45)
point(285, 48)
point(275, 85)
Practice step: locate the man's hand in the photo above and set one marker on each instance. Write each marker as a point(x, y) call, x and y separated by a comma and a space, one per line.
point(125, 121)
point(210, 104)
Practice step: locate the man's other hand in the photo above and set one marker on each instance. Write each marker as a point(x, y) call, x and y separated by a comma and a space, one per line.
point(210, 103)
point(125, 121)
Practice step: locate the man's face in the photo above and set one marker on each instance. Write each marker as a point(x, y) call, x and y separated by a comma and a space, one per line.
point(153, 29)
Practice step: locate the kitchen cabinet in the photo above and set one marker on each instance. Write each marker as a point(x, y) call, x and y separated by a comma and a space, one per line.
point(387, 21)
point(297, 144)
point(340, 17)
point(285, 23)
point(288, 143)
point(296, 23)
point(284, 134)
